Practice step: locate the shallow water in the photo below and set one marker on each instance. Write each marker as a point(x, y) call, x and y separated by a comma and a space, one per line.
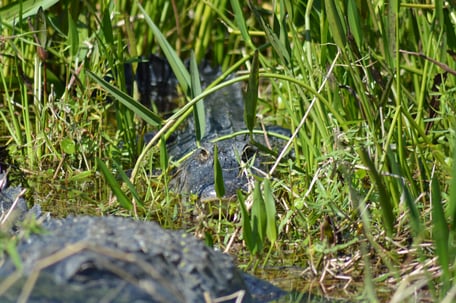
point(295, 279)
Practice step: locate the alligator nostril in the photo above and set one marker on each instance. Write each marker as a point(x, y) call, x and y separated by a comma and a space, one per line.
point(203, 155)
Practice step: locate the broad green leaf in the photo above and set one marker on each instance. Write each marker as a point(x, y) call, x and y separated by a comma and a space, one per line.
point(73, 36)
point(218, 175)
point(249, 237)
point(259, 218)
point(106, 26)
point(83, 175)
point(450, 35)
point(68, 146)
point(354, 22)
point(284, 40)
point(251, 96)
point(41, 27)
point(390, 29)
point(279, 48)
point(451, 209)
point(198, 109)
point(115, 187)
point(208, 239)
point(336, 26)
point(139, 109)
point(269, 201)
point(240, 21)
point(439, 13)
point(130, 34)
point(10, 13)
point(440, 230)
point(130, 185)
point(164, 160)
point(178, 67)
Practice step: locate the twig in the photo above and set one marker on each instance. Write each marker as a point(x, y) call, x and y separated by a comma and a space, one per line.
point(439, 64)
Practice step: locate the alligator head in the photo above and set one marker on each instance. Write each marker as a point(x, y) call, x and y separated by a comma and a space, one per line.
point(224, 116)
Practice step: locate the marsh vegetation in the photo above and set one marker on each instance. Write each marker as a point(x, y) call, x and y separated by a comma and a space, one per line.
point(365, 208)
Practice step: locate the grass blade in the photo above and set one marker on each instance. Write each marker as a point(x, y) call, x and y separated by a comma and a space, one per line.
point(240, 21)
point(279, 48)
point(42, 28)
point(450, 35)
point(139, 109)
point(115, 187)
point(164, 159)
point(73, 36)
point(259, 218)
point(130, 185)
point(385, 203)
point(440, 233)
point(10, 13)
point(247, 234)
point(251, 97)
point(451, 210)
point(198, 108)
point(414, 215)
point(336, 26)
point(178, 67)
point(402, 187)
point(452, 200)
point(439, 13)
point(354, 23)
point(269, 201)
point(106, 26)
point(218, 175)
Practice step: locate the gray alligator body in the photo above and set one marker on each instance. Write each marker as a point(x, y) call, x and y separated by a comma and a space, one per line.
point(113, 259)
point(224, 113)
point(89, 259)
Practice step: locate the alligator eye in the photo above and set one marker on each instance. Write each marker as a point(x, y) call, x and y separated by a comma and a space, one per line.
point(248, 153)
point(203, 155)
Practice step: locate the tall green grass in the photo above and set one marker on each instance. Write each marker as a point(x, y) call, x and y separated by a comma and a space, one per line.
point(365, 87)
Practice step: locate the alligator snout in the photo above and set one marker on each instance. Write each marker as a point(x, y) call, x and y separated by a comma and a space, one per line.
point(196, 175)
